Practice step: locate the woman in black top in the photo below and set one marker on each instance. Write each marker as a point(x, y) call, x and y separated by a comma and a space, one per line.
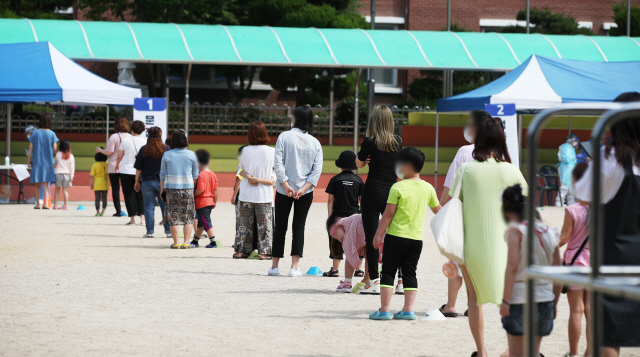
point(378, 150)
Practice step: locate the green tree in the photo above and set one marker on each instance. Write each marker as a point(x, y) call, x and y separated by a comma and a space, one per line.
point(33, 9)
point(620, 17)
point(547, 22)
point(311, 83)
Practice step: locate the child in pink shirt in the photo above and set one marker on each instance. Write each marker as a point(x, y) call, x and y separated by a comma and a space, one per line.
point(65, 169)
point(575, 234)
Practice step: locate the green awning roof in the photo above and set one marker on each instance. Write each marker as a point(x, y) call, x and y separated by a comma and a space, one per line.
point(277, 46)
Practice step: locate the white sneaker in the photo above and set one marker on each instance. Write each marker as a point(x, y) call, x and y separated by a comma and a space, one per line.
point(374, 289)
point(274, 272)
point(400, 289)
point(295, 273)
point(148, 235)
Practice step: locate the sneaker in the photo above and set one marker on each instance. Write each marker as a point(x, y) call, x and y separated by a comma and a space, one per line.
point(101, 214)
point(55, 207)
point(400, 289)
point(373, 289)
point(169, 235)
point(377, 315)
point(274, 272)
point(344, 287)
point(212, 245)
point(195, 244)
point(294, 273)
point(401, 315)
point(118, 215)
point(98, 214)
point(148, 235)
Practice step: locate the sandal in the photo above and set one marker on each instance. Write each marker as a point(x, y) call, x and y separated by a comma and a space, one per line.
point(242, 256)
point(448, 314)
point(36, 207)
point(358, 273)
point(331, 273)
point(266, 257)
point(176, 246)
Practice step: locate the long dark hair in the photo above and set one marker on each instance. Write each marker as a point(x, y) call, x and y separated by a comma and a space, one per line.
point(304, 119)
point(625, 136)
point(478, 117)
point(513, 201)
point(179, 140)
point(490, 140)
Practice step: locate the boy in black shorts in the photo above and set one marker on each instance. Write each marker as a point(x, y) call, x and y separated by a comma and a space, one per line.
point(206, 194)
point(344, 191)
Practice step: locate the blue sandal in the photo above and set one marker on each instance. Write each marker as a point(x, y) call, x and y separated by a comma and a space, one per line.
point(401, 315)
point(377, 315)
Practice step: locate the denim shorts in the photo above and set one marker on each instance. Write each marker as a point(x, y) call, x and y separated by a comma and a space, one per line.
point(514, 323)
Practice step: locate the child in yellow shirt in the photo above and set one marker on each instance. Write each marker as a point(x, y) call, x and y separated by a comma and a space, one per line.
point(99, 182)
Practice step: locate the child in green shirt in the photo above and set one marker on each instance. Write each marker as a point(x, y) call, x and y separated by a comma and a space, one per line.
point(403, 222)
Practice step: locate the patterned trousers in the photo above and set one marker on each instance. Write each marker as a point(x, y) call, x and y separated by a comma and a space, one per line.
point(249, 214)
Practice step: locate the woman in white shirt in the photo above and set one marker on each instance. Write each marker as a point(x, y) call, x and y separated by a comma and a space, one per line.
point(256, 195)
point(128, 150)
point(620, 195)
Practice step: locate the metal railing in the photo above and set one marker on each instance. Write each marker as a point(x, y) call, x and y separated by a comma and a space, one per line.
point(205, 119)
point(617, 281)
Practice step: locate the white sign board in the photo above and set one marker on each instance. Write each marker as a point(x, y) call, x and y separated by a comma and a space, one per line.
point(153, 112)
point(507, 113)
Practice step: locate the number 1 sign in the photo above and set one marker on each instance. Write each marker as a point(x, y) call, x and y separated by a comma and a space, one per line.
point(152, 112)
point(507, 113)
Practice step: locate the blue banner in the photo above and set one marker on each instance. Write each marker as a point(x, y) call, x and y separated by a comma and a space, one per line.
point(150, 104)
point(500, 110)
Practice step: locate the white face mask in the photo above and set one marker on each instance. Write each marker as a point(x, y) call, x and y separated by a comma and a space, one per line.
point(399, 174)
point(467, 135)
point(292, 124)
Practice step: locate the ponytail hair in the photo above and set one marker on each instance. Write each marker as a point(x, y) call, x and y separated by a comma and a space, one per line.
point(65, 149)
point(513, 201)
point(304, 119)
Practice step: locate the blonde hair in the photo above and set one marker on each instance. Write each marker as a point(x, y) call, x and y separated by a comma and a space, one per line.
point(381, 127)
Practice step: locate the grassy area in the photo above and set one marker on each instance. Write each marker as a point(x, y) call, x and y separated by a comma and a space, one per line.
point(460, 119)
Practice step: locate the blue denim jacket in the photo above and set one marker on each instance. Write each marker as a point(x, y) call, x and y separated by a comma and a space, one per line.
point(179, 168)
point(298, 160)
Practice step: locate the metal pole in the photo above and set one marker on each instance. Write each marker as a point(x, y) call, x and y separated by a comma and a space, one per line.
point(186, 101)
point(107, 124)
point(372, 82)
point(528, 17)
point(520, 141)
point(436, 165)
point(628, 18)
point(8, 140)
point(448, 15)
point(356, 110)
point(331, 105)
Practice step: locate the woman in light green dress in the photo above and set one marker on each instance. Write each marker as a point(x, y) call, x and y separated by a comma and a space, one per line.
point(485, 251)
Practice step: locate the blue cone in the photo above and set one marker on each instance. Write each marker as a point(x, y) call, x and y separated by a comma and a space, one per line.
point(123, 214)
point(314, 271)
point(82, 208)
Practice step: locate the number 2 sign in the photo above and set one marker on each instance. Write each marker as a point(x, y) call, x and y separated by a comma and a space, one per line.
point(507, 114)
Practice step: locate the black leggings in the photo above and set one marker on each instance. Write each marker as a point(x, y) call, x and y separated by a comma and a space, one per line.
point(400, 253)
point(101, 195)
point(283, 209)
point(115, 191)
point(374, 202)
point(132, 199)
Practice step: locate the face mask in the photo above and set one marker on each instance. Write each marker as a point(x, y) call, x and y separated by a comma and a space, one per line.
point(467, 135)
point(292, 124)
point(399, 174)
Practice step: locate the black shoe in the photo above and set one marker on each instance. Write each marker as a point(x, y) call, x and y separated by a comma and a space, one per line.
point(331, 273)
point(211, 245)
point(118, 215)
point(194, 244)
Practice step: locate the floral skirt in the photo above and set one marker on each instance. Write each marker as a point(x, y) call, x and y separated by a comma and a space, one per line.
point(180, 207)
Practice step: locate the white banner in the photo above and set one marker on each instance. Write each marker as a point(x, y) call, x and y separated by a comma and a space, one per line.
point(153, 112)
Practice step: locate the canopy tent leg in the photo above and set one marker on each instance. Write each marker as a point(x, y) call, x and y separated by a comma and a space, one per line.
point(371, 98)
point(356, 112)
point(8, 139)
point(520, 140)
point(107, 129)
point(436, 165)
point(569, 125)
point(186, 101)
point(331, 105)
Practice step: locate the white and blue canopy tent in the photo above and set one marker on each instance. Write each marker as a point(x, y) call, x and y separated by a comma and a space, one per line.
point(38, 73)
point(544, 82)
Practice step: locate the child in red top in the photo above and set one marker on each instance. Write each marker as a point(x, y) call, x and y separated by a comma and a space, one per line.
point(206, 194)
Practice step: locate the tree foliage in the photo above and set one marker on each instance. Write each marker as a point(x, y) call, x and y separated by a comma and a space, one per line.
point(178, 11)
point(547, 22)
point(33, 9)
point(620, 17)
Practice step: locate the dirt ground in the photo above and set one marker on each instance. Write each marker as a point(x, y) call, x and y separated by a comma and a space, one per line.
point(73, 284)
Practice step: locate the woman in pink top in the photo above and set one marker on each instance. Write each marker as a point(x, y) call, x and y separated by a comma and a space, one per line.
point(350, 232)
point(575, 234)
point(121, 127)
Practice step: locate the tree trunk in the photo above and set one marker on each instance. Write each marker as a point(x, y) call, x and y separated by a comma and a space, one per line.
point(302, 82)
point(230, 89)
point(152, 80)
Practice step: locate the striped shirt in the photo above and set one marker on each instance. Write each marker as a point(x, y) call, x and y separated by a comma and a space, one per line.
point(179, 168)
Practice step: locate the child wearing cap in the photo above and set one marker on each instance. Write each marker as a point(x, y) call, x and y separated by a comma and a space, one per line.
point(206, 195)
point(344, 191)
point(403, 222)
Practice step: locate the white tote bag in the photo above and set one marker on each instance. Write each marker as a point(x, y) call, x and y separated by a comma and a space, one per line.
point(448, 227)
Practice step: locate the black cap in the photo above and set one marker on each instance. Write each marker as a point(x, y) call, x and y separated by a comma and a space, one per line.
point(347, 160)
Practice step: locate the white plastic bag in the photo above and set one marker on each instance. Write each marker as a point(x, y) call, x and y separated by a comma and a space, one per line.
point(448, 226)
